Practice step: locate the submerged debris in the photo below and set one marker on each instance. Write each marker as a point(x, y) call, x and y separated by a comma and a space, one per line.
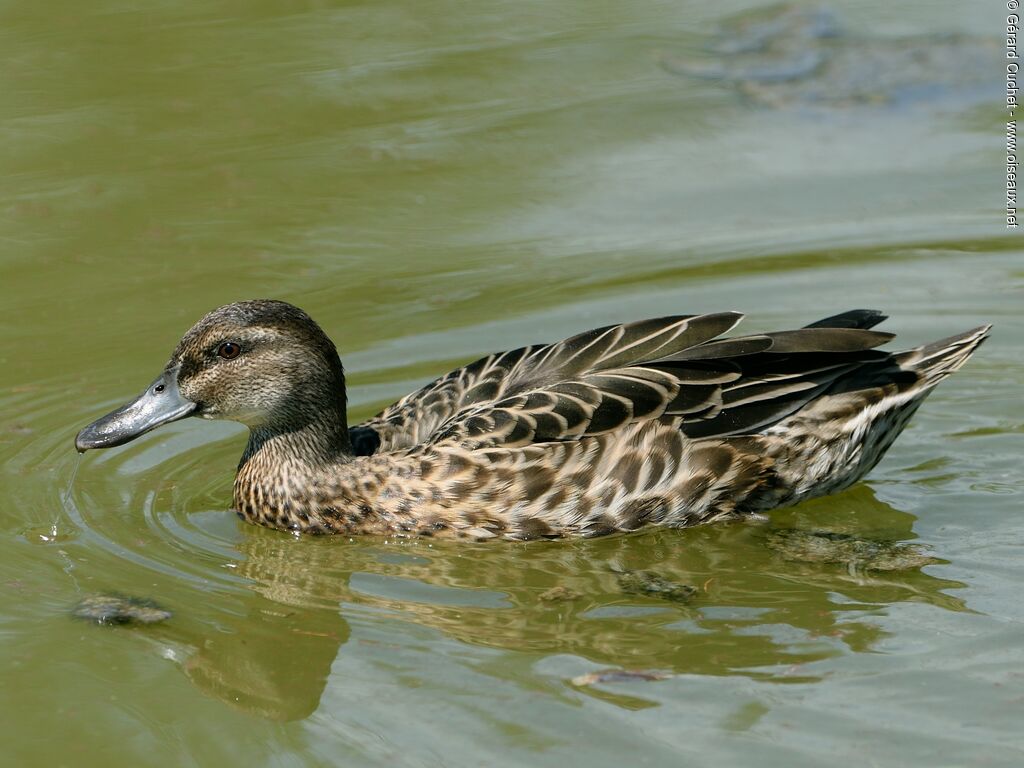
point(620, 676)
point(120, 609)
point(845, 549)
point(651, 584)
point(559, 594)
point(798, 54)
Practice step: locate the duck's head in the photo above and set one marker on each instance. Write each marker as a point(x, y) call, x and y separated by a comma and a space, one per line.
point(263, 363)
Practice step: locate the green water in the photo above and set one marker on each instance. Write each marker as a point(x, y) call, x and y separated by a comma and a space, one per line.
point(432, 183)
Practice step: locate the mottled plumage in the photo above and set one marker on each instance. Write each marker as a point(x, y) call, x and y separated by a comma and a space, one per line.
point(657, 422)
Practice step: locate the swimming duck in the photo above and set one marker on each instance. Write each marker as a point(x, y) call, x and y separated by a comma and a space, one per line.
point(656, 422)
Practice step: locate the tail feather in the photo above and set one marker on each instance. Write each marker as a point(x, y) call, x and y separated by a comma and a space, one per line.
point(834, 441)
point(935, 361)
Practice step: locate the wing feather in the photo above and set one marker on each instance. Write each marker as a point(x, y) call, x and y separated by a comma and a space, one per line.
point(602, 380)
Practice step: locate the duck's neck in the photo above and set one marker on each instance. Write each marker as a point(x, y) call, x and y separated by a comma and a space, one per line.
point(316, 444)
point(284, 464)
point(310, 429)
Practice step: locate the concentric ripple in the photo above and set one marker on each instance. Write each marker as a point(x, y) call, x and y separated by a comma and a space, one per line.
point(153, 509)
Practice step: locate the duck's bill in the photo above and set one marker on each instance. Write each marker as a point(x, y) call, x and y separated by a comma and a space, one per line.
point(161, 403)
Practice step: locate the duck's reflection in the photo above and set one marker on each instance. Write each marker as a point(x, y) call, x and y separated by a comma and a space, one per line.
point(272, 661)
point(752, 610)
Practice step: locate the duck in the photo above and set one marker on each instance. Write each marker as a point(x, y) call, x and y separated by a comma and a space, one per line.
point(657, 422)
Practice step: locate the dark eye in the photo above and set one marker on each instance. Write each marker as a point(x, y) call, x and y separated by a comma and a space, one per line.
point(228, 350)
